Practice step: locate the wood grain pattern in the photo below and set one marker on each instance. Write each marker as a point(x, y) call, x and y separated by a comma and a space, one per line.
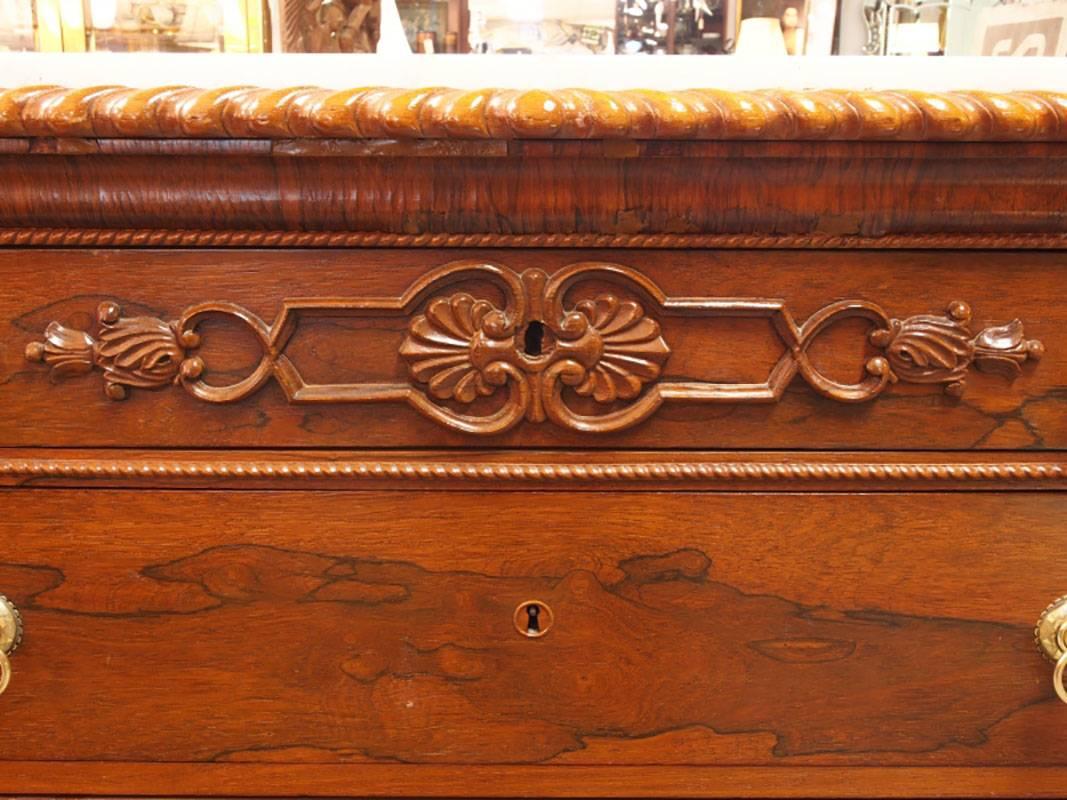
point(799, 598)
point(764, 189)
point(352, 642)
point(244, 112)
point(347, 352)
point(429, 780)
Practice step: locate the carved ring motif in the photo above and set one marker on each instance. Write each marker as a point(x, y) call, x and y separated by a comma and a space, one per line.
point(531, 358)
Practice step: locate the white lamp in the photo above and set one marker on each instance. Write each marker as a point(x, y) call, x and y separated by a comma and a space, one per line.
point(392, 41)
point(103, 13)
point(760, 36)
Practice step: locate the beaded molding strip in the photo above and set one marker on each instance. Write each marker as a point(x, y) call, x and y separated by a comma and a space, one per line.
point(156, 237)
point(179, 112)
point(645, 471)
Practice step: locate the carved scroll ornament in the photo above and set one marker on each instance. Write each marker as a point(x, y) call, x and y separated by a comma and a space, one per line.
point(533, 355)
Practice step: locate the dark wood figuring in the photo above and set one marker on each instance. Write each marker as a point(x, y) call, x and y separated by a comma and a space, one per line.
point(557, 188)
point(707, 332)
point(780, 462)
point(240, 633)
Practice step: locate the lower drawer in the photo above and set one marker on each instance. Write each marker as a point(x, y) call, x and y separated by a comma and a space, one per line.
point(349, 643)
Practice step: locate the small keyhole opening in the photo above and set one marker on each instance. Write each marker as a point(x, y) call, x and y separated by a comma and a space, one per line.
point(532, 623)
point(534, 339)
point(533, 619)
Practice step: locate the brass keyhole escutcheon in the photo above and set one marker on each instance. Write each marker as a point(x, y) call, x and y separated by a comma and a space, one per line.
point(533, 618)
point(10, 636)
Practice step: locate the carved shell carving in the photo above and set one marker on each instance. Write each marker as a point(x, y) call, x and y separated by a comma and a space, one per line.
point(460, 347)
point(629, 350)
point(450, 350)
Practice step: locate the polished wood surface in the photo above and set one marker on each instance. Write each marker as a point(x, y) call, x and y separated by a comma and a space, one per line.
point(732, 369)
point(429, 780)
point(963, 195)
point(308, 397)
point(379, 113)
point(239, 633)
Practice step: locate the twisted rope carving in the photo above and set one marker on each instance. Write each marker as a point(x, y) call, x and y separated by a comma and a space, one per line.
point(538, 473)
point(435, 113)
point(155, 237)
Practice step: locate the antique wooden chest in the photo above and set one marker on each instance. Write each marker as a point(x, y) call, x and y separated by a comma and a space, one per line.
point(518, 443)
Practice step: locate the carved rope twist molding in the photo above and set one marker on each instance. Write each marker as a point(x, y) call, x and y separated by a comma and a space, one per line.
point(438, 113)
point(540, 473)
point(157, 237)
point(481, 368)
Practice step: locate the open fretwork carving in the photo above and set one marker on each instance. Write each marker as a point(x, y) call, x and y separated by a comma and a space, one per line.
point(535, 349)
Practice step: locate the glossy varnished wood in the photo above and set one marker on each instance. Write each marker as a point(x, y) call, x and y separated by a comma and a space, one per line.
point(247, 113)
point(994, 411)
point(239, 633)
point(826, 588)
point(926, 188)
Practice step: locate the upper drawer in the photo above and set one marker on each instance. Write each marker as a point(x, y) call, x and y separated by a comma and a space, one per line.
point(400, 348)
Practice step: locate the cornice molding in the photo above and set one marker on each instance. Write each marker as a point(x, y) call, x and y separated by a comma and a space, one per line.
point(161, 237)
point(178, 112)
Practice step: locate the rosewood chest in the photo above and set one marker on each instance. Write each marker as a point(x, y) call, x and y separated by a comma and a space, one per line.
point(517, 443)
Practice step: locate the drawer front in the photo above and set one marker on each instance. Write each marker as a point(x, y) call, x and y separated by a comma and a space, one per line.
point(522, 348)
point(191, 640)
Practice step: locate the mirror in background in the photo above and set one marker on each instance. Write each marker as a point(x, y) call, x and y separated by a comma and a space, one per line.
point(757, 28)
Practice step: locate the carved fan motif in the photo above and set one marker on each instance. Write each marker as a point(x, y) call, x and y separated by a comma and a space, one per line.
point(631, 351)
point(448, 349)
point(141, 351)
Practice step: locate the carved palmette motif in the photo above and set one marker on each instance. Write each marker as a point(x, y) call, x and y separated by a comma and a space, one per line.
point(605, 348)
point(142, 352)
point(593, 364)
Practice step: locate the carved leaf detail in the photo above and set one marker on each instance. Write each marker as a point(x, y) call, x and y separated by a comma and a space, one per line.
point(632, 350)
point(1001, 337)
point(67, 351)
point(442, 347)
point(929, 349)
point(139, 351)
point(1002, 349)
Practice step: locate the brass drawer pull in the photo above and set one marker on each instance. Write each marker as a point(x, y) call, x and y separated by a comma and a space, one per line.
point(1051, 635)
point(10, 636)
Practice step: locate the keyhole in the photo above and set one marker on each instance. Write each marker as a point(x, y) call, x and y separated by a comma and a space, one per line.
point(534, 338)
point(533, 619)
point(533, 611)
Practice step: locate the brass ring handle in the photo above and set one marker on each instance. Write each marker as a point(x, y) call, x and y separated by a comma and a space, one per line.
point(10, 636)
point(1057, 678)
point(1051, 637)
point(5, 671)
